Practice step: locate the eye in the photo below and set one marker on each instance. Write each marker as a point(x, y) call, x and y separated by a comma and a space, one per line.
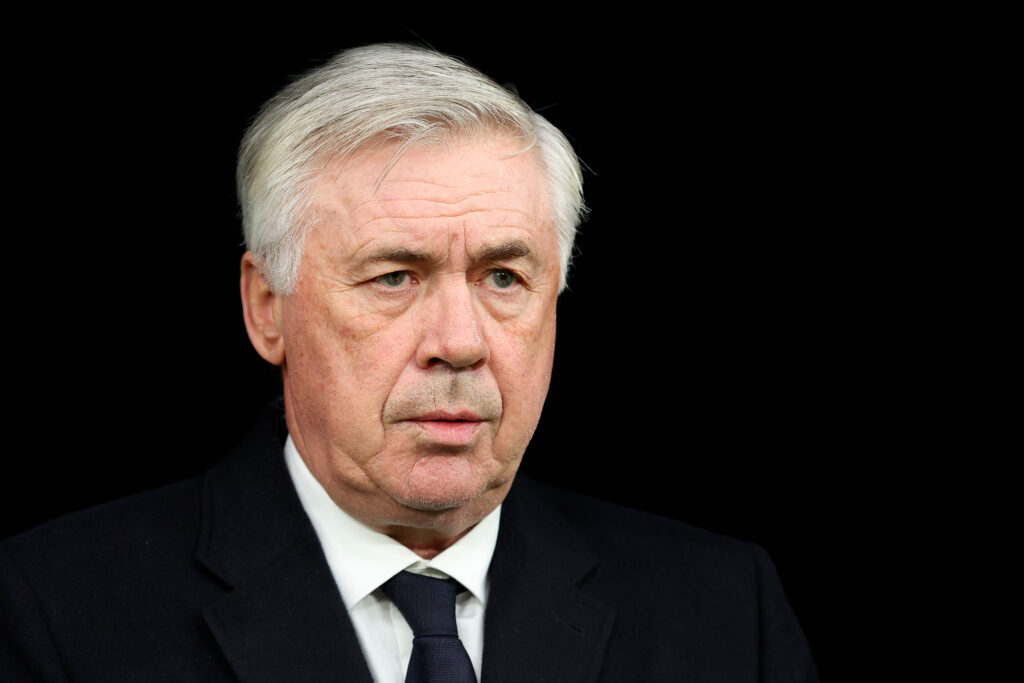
point(395, 279)
point(502, 279)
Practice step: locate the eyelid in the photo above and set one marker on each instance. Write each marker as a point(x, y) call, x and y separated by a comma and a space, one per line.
point(410, 279)
point(520, 281)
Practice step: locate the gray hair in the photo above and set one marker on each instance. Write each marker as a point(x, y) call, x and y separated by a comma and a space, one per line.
point(389, 92)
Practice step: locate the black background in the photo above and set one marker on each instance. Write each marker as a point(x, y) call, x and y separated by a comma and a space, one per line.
point(718, 358)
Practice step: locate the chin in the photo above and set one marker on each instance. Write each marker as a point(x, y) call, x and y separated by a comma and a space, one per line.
point(438, 489)
point(432, 504)
point(439, 496)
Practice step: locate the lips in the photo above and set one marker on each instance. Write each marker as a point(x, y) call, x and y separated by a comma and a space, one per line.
point(448, 427)
point(463, 415)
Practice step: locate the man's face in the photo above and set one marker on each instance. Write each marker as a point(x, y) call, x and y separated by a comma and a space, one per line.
point(419, 339)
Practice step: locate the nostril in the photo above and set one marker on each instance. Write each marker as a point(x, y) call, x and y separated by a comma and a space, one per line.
point(454, 365)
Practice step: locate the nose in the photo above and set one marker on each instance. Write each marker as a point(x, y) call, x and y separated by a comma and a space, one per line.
point(452, 332)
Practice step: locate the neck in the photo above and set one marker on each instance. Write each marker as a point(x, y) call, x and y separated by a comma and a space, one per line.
point(427, 543)
point(427, 533)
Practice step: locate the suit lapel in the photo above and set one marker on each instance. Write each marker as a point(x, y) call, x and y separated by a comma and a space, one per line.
point(540, 626)
point(283, 618)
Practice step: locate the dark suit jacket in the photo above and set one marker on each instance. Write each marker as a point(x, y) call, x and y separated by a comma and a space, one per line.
point(222, 579)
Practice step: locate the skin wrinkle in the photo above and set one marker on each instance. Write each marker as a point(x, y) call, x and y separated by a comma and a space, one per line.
point(457, 202)
point(504, 255)
point(394, 220)
point(360, 355)
point(510, 250)
point(426, 185)
point(395, 230)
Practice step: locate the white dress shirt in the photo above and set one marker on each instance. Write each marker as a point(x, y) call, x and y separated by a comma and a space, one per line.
point(361, 560)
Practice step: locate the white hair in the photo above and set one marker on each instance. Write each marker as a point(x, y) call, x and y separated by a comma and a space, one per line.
point(386, 92)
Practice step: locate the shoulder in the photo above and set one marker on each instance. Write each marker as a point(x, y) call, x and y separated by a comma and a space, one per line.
point(147, 528)
point(161, 526)
point(610, 529)
point(669, 583)
point(645, 562)
point(100, 581)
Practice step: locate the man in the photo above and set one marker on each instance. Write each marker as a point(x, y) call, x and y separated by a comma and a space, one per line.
point(409, 226)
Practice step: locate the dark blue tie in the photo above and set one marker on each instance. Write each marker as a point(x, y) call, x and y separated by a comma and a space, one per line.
point(428, 604)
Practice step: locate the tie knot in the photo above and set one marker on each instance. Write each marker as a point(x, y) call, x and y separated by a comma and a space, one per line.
point(428, 604)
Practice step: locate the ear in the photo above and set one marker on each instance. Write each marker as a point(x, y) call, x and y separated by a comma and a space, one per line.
point(261, 308)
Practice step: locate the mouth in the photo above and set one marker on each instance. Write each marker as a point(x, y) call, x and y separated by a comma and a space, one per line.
point(449, 428)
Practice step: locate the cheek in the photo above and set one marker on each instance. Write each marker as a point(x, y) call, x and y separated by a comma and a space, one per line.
point(522, 363)
point(347, 364)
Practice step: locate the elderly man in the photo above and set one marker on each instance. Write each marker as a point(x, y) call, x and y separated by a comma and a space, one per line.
point(409, 226)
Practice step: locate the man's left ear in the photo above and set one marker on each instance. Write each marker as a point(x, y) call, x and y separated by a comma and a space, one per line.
point(261, 308)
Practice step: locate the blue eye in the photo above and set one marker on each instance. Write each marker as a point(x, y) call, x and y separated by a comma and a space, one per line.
point(395, 279)
point(503, 279)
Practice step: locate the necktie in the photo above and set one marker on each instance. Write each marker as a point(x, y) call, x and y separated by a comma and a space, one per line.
point(428, 604)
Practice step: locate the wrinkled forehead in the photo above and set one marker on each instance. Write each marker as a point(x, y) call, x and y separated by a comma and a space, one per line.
point(388, 150)
point(437, 178)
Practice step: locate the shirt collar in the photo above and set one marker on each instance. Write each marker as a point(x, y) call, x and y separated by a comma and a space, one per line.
point(362, 559)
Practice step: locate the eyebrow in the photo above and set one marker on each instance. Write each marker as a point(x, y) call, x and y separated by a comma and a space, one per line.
point(512, 249)
point(399, 255)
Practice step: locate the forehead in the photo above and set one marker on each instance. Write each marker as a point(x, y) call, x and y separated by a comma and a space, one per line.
point(480, 186)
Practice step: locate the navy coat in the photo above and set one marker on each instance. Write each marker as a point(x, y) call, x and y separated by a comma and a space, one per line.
point(222, 578)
